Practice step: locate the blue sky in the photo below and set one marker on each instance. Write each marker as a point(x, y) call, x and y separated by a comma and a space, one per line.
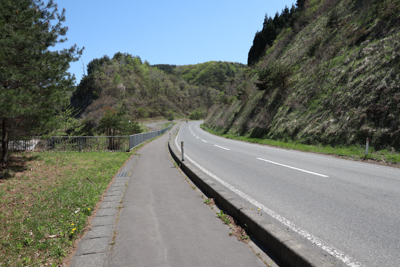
point(165, 32)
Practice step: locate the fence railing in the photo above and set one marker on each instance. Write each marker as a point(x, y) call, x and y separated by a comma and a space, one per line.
point(84, 143)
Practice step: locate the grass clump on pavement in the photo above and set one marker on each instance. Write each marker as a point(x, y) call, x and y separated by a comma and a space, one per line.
point(45, 201)
point(351, 152)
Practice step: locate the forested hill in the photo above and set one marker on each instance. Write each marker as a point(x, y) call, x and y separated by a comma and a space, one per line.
point(124, 82)
point(321, 72)
point(215, 74)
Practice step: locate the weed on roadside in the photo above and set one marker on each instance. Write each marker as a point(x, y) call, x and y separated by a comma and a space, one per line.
point(235, 229)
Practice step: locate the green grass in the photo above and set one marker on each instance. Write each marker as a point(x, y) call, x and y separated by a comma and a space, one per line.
point(167, 124)
point(143, 127)
point(350, 152)
point(45, 206)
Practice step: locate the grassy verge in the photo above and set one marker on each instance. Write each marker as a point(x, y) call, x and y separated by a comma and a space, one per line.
point(167, 124)
point(143, 127)
point(45, 201)
point(352, 152)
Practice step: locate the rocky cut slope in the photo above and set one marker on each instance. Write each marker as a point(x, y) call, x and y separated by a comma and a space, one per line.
point(332, 78)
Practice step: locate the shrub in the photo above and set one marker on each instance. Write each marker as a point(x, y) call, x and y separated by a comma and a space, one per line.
point(196, 115)
point(273, 76)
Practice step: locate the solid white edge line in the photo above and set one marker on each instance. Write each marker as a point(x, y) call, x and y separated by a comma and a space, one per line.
point(349, 261)
point(222, 147)
point(294, 168)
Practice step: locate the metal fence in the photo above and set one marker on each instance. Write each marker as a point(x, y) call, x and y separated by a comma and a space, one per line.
point(85, 143)
point(23, 145)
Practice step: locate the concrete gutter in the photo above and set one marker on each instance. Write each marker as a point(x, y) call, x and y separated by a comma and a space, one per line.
point(289, 251)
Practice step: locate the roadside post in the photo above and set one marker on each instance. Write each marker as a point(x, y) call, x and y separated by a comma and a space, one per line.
point(366, 148)
point(183, 159)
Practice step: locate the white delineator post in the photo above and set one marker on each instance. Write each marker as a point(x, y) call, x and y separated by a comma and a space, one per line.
point(366, 148)
point(183, 159)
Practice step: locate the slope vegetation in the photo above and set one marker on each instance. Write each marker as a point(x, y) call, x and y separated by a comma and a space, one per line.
point(126, 84)
point(215, 74)
point(332, 78)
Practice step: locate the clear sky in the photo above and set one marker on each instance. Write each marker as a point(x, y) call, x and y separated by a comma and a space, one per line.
point(165, 32)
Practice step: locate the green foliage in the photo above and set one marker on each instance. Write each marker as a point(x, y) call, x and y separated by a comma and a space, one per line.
point(67, 124)
point(170, 116)
point(117, 79)
point(340, 85)
point(222, 98)
point(274, 76)
point(242, 91)
point(223, 217)
point(33, 79)
point(115, 123)
point(333, 19)
point(165, 67)
point(272, 28)
point(196, 115)
point(314, 47)
point(144, 91)
point(211, 74)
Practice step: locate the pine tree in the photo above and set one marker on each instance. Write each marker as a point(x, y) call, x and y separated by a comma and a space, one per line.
point(33, 80)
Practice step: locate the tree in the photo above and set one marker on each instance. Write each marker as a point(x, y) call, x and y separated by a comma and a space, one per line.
point(116, 122)
point(109, 123)
point(67, 124)
point(33, 80)
point(275, 75)
point(300, 4)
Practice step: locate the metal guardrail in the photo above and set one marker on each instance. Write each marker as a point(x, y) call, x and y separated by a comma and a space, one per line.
point(84, 143)
point(137, 139)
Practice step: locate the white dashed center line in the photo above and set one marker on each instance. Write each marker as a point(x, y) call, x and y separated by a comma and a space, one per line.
point(222, 147)
point(294, 168)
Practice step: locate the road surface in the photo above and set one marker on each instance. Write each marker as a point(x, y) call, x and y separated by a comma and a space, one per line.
point(346, 209)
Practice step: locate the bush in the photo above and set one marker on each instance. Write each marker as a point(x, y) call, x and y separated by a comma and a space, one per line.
point(170, 116)
point(273, 76)
point(196, 115)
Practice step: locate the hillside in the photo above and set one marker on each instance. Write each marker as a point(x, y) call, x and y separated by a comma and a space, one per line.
point(126, 85)
point(215, 74)
point(330, 76)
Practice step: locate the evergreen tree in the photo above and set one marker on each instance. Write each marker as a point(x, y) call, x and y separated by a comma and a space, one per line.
point(33, 80)
point(300, 4)
point(286, 14)
point(66, 123)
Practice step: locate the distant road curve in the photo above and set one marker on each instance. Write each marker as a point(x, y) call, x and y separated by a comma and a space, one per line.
point(347, 209)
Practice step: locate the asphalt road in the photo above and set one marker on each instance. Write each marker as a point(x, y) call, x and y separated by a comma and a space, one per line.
point(345, 209)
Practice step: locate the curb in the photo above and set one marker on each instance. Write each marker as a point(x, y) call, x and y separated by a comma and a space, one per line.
point(288, 250)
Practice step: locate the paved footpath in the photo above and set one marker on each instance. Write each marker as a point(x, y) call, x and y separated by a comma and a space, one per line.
point(163, 221)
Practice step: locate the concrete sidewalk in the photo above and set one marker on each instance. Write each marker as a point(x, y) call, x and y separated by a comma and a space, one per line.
point(163, 221)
